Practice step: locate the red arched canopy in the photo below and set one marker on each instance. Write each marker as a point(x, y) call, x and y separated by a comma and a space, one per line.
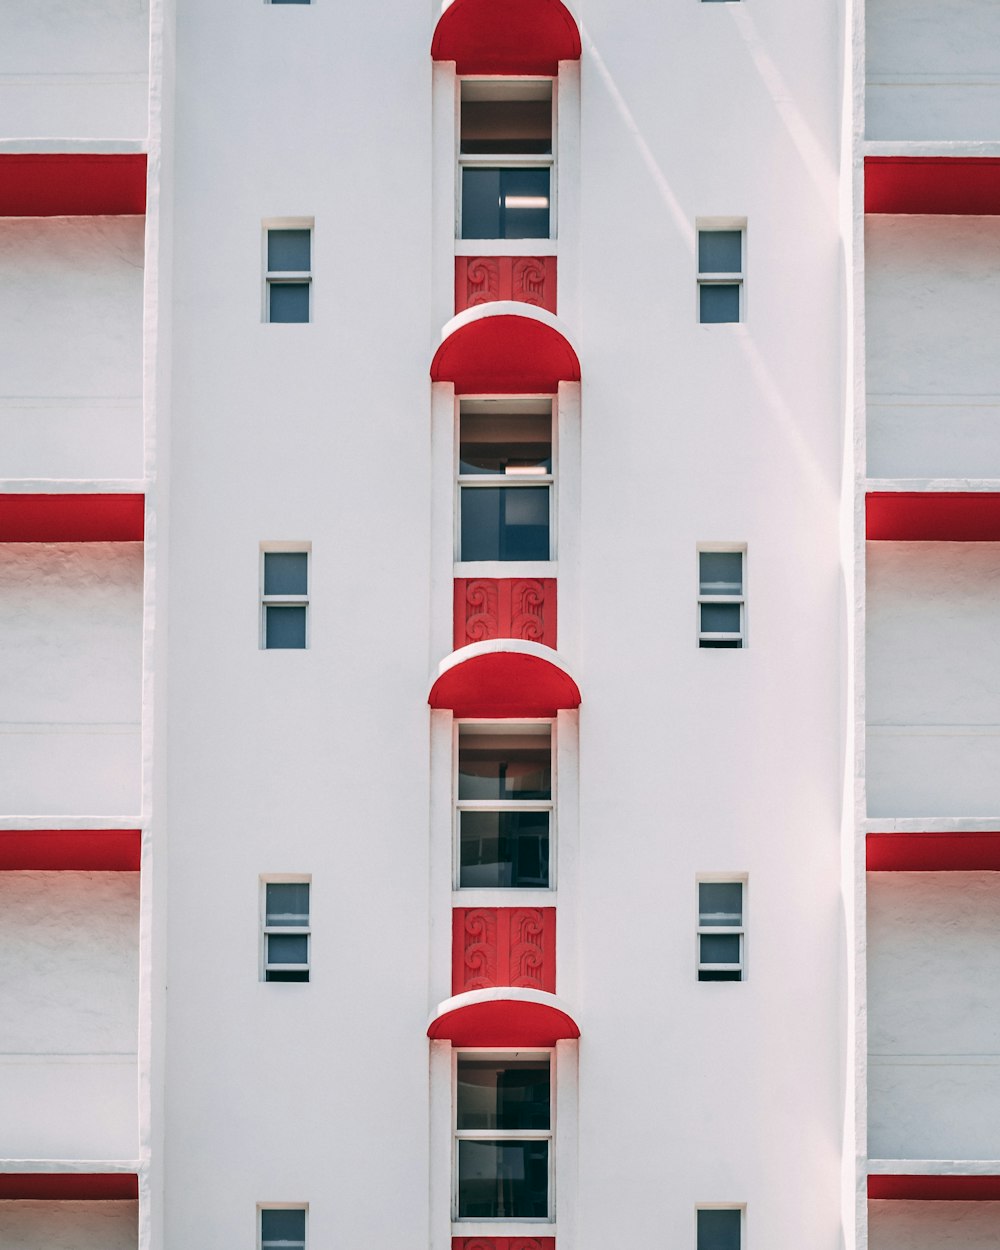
point(503, 1018)
point(506, 36)
point(516, 680)
point(505, 354)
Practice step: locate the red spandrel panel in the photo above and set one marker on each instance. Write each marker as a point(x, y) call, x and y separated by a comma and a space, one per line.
point(483, 279)
point(933, 852)
point(506, 36)
point(70, 850)
point(932, 516)
point(69, 1186)
point(933, 184)
point(67, 518)
point(72, 184)
point(519, 607)
point(499, 946)
point(935, 1188)
point(503, 1243)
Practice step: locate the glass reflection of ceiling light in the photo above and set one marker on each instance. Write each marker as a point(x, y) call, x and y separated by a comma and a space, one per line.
point(525, 470)
point(525, 201)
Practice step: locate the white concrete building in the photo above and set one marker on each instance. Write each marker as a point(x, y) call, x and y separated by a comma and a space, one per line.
point(504, 363)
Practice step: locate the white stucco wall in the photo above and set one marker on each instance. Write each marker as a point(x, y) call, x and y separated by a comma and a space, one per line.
point(934, 1015)
point(68, 1225)
point(933, 69)
point(70, 70)
point(70, 352)
point(933, 376)
point(933, 1225)
point(933, 690)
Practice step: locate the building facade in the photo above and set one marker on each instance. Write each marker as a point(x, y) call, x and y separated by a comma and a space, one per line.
point(505, 363)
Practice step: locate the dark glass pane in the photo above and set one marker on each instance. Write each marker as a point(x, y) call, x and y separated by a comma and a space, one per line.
point(524, 203)
point(282, 1225)
point(720, 618)
point(505, 523)
point(719, 304)
point(503, 1095)
point(719, 1230)
point(720, 903)
point(513, 444)
point(288, 903)
point(735, 643)
point(286, 572)
point(507, 126)
point(720, 251)
point(287, 948)
point(504, 766)
point(721, 572)
point(481, 204)
point(301, 974)
point(285, 627)
point(503, 1180)
point(288, 250)
point(504, 849)
point(719, 948)
point(289, 301)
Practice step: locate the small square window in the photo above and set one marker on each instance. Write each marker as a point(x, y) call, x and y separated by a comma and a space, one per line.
point(282, 1228)
point(285, 600)
point(288, 276)
point(720, 276)
point(721, 600)
point(286, 931)
point(720, 1228)
point(720, 931)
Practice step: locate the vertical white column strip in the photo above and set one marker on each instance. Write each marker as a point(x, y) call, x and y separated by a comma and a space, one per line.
point(568, 520)
point(567, 1140)
point(442, 488)
point(568, 196)
point(439, 978)
point(567, 761)
point(439, 1233)
point(443, 191)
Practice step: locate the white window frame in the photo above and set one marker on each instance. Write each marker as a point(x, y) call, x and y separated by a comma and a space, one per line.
point(723, 1206)
point(281, 1206)
point(266, 931)
point(502, 805)
point(506, 568)
point(277, 277)
point(495, 1225)
point(713, 225)
point(486, 160)
point(741, 599)
point(284, 601)
point(721, 931)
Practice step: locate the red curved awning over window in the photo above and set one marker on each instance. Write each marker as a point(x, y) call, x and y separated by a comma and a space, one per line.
point(506, 36)
point(503, 1017)
point(505, 349)
point(504, 677)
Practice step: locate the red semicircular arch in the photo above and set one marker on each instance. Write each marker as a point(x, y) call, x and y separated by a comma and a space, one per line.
point(506, 36)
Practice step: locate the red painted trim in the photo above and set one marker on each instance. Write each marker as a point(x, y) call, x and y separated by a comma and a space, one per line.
point(933, 852)
point(505, 355)
point(932, 184)
point(503, 1243)
point(67, 1186)
point(76, 850)
point(496, 946)
point(935, 1188)
point(506, 36)
point(505, 684)
point(504, 1022)
point(483, 279)
point(71, 518)
point(517, 607)
point(66, 184)
point(934, 516)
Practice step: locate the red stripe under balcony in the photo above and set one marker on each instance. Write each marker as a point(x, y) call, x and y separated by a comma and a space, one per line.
point(72, 184)
point(935, 1188)
point(71, 518)
point(524, 279)
point(933, 516)
point(506, 36)
point(519, 607)
point(69, 1186)
point(933, 852)
point(503, 1243)
point(933, 184)
point(70, 850)
point(494, 946)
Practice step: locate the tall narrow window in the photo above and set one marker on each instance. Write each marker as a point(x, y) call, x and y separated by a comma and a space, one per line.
point(720, 930)
point(504, 806)
point(505, 158)
point(720, 1228)
point(503, 1133)
point(285, 600)
point(721, 603)
point(283, 1228)
point(505, 479)
point(720, 276)
point(286, 931)
point(288, 279)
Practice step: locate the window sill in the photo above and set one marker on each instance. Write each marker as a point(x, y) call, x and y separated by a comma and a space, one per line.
point(506, 568)
point(506, 247)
